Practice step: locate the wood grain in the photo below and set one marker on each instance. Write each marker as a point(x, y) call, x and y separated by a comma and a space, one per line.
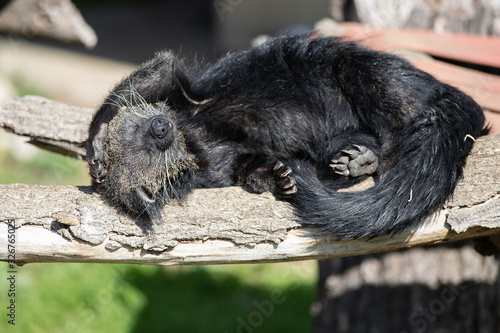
point(229, 225)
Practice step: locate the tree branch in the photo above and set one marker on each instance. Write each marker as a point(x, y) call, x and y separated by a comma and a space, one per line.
point(73, 224)
point(54, 19)
point(51, 125)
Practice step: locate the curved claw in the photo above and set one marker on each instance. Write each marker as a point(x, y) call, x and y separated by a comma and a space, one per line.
point(362, 149)
point(95, 152)
point(97, 171)
point(352, 153)
point(286, 184)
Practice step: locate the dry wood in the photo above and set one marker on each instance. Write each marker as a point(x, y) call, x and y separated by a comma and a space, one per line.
point(73, 224)
point(54, 19)
point(51, 125)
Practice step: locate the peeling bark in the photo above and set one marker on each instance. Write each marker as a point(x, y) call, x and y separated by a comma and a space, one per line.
point(229, 225)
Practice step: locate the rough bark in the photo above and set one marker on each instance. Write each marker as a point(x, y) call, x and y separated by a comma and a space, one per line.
point(73, 224)
point(51, 125)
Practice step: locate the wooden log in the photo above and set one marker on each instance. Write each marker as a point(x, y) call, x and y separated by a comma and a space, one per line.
point(229, 225)
point(51, 125)
point(54, 19)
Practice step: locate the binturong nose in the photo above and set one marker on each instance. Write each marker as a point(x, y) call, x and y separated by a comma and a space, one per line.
point(160, 127)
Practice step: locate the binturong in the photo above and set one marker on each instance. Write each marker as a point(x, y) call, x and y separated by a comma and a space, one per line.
point(140, 159)
point(298, 116)
point(146, 159)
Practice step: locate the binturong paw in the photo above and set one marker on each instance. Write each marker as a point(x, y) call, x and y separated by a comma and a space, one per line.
point(95, 154)
point(355, 162)
point(285, 183)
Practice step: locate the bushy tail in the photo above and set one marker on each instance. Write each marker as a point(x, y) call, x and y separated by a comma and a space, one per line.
point(432, 154)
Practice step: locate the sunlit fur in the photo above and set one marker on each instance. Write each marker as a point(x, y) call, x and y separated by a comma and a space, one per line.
point(131, 166)
point(298, 100)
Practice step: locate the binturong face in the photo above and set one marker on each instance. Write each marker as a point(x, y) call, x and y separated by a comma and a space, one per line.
point(146, 160)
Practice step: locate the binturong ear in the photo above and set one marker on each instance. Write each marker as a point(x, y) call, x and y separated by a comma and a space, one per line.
point(167, 79)
point(161, 66)
point(156, 79)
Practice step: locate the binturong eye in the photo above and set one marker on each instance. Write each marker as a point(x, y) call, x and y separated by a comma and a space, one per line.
point(160, 127)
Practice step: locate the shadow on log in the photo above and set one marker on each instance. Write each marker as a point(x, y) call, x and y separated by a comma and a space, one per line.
point(229, 225)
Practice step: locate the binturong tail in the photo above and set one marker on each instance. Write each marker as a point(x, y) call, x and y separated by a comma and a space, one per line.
point(431, 156)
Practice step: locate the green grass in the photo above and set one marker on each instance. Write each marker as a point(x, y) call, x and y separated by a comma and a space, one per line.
point(44, 168)
point(130, 298)
point(23, 88)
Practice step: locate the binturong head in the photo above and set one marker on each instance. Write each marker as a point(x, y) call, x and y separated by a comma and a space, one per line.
point(146, 160)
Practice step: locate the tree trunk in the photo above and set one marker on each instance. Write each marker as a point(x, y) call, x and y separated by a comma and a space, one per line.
point(434, 289)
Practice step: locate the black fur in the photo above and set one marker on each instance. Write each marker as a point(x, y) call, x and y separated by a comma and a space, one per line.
point(302, 102)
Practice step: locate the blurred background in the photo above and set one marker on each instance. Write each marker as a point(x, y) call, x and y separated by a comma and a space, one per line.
point(131, 298)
